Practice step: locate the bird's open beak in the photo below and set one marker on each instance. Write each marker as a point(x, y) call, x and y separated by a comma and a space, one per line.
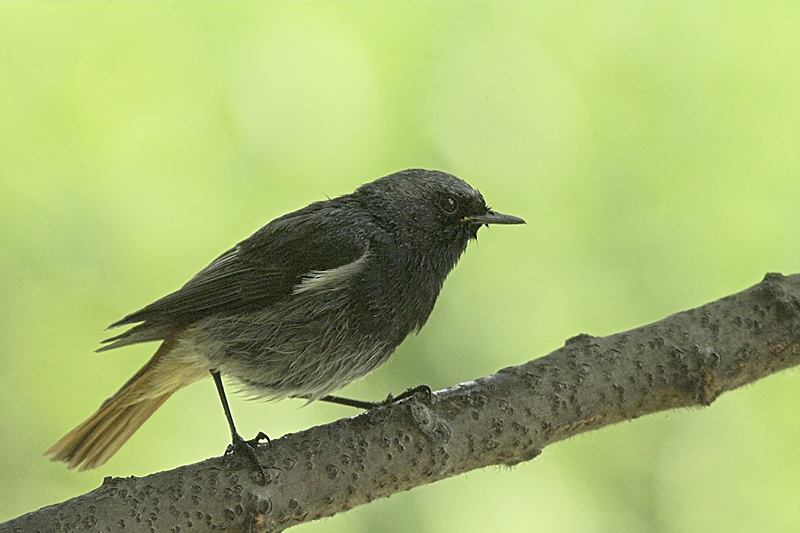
point(493, 217)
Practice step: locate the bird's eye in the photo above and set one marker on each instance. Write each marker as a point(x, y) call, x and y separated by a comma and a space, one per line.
point(448, 204)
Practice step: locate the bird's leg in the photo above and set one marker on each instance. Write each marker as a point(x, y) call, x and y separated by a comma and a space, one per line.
point(359, 404)
point(349, 402)
point(238, 444)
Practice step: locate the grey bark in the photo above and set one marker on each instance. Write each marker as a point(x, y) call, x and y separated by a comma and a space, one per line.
point(687, 359)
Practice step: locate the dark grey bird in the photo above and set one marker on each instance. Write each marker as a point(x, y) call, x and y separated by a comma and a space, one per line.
point(310, 302)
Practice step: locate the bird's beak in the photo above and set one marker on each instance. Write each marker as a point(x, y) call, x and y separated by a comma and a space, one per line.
point(493, 217)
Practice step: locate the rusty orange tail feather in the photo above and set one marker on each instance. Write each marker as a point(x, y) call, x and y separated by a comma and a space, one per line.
point(95, 440)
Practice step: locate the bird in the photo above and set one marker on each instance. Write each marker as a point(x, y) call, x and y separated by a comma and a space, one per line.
point(312, 301)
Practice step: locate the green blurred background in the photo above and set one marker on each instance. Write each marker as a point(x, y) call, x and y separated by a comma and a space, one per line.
point(652, 148)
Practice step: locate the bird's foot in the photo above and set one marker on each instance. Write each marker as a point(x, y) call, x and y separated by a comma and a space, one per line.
point(360, 404)
point(408, 393)
point(245, 450)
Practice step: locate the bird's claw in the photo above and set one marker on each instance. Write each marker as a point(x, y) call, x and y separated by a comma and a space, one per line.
point(408, 393)
point(259, 439)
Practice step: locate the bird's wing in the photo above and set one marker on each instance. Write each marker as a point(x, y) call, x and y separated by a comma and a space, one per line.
point(304, 250)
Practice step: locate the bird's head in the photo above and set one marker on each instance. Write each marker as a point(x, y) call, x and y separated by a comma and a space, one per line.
point(432, 211)
point(430, 201)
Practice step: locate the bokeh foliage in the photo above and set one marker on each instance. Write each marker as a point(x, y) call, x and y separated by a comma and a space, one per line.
point(653, 148)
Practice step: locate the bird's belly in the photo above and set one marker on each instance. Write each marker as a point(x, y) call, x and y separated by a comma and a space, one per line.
point(277, 355)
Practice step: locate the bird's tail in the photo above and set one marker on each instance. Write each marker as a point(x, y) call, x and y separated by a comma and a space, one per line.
point(94, 441)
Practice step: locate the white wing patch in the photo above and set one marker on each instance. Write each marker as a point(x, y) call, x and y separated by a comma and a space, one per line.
point(333, 279)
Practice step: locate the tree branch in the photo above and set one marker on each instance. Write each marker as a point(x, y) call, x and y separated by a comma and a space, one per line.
point(687, 359)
